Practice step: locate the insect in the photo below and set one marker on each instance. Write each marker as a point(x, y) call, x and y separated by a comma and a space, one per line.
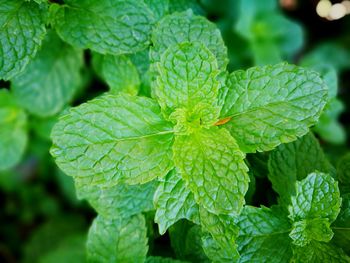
point(223, 121)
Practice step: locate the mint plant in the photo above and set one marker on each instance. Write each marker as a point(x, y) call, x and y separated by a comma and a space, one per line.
point(303, 234)
point(201, 122)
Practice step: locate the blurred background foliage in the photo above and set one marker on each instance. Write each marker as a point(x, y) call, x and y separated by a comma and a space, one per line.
point(37, 199)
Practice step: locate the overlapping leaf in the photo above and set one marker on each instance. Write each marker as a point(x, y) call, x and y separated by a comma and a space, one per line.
point(117, 240)
point(271, 105)
point(173, 202)
point(105, 26)
point(213, 167)
point(119, 201)
point(25, 20)
point(13, 131)
point(113, 138)
point(294, 161)
point(191, 81)
point(182, 27)
point(315, 205)
point(51, 78)
point(263, 235)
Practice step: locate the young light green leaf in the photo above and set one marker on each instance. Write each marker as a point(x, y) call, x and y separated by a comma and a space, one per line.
point(304, 231)
point(13, 131)
point(263, 235)
point(211, 163)
point(224, 232)
point(186, 27)
point(120, 74)
point(191, 81)
point(51, 79)
point(317, 196)
point(118, 201)
point(294, 161)
point(117, 240)
point(271, 105)
point(105, 26)
point(114, 138)
point(22, 30)
point(319, 252)
point(173, 201)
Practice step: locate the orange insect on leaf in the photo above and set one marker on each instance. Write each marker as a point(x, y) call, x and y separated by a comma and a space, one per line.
point(223, 121)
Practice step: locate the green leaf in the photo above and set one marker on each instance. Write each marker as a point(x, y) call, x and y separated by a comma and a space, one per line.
point(319, 252)
point(159, 8)
point(70, 250)
point(214, 252)
point(162, 260)
point(263, 235)
point(327, 72)
point(271, 35)
point(118, 201)
point(331, 52)
point(186, 27)
point(186, 241)
point(173, 202)
point(51, 79)
point(271, 105)
point(304, 231)
point(120, 74)
point(285, 34)
point(212, 165)
point(54, 235)
point(341, 227)
point(265, 52)
point(316, 196)
point(114, 138)
point(294, 161)
point(191, 81)
point(105, 26)
point(25, 21)
point(343, 170)
point(183, 5)
point(43, 126)
point(224, 232)
point(117, 240)
point(141, 61)
point(13, 131)
point(329, 127)
point(249, 10)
